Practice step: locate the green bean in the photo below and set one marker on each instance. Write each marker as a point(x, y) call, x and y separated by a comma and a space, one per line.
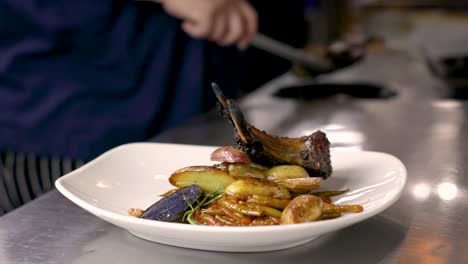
point(266, 209)
point(240, 208)
point(205, 219)
point(212, 210)
point(250, 208)
point(329, 193)
point(268, 201)
point(330, 215)
point(336, 208)
point(226, 220)
point(231, 213)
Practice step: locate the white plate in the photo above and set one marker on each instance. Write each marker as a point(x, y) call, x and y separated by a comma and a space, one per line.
point(133, 175)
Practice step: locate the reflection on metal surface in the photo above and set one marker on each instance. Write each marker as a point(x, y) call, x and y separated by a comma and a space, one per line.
point(447, 191)
point(448, 118)
point(446, 104)
point(421, 191)
point(445, 130)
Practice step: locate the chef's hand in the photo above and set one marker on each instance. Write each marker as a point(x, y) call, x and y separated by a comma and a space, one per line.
point(225, 22)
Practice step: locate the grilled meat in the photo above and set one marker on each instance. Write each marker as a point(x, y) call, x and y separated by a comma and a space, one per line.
point(312, 151)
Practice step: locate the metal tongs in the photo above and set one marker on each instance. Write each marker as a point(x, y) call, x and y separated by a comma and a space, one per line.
point(339, 54)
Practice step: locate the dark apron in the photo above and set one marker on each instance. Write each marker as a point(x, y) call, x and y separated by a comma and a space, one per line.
point(80, 77)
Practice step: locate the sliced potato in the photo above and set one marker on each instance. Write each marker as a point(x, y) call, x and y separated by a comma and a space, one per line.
point(303, 208)
point(286, 172)
point(210, 179)
point(244, 188)
point(244, 170)
point(258, 166)
point(300, 185)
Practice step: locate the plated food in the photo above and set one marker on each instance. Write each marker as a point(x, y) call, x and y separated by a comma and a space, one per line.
point(261, 180)
point(136, 174)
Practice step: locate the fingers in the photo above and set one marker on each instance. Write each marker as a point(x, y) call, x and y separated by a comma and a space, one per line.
point(219, 29)
point(200, 24)
point(179, 9)
point(196, 29)
point(235, 30)
point(234, 23)
point(197, 16)
point(251, 22)
point(242, 25)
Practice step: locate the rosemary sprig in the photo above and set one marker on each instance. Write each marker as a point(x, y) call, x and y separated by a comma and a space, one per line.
point(206, 200)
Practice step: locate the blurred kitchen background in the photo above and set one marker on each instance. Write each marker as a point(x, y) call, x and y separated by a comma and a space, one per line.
point(432, 33)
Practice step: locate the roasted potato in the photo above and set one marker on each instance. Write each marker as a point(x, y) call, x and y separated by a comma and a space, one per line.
point(249, 186)
point(300, 185)
point(210, 179)
point(303, 208)
point(230, 154)
point(286, 172)
point(244, 170)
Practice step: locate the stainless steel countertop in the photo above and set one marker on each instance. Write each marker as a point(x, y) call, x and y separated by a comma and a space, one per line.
point(426, 225)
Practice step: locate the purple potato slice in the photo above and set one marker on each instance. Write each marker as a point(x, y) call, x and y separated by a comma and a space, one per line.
point(171, 207)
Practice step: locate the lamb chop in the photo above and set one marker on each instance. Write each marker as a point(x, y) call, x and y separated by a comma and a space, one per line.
point(311, 152)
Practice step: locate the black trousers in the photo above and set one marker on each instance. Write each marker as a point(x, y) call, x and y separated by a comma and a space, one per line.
point(24, 177)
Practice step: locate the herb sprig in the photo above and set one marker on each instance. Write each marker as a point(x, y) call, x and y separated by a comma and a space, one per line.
point(207, 199)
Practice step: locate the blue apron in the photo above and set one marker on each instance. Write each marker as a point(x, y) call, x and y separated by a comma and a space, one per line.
point(80, 77)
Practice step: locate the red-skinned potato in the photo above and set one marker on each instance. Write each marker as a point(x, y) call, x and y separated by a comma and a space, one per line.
point(231, 155)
